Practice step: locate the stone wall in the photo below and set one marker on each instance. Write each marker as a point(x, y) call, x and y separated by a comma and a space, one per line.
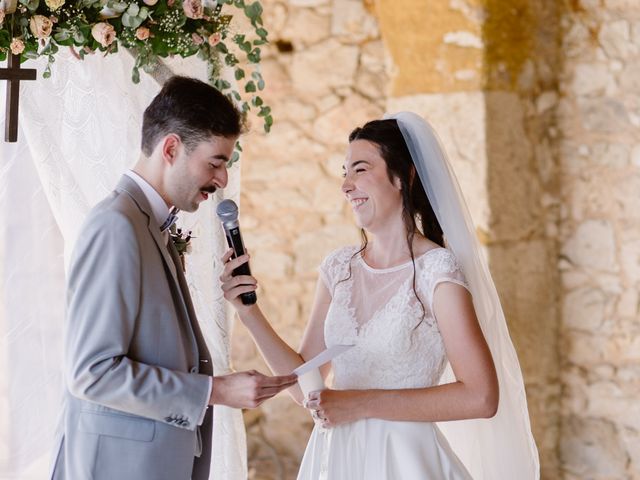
point(599, 117)
point(538, 105)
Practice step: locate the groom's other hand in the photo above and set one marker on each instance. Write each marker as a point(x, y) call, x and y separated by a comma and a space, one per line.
point(247, 389)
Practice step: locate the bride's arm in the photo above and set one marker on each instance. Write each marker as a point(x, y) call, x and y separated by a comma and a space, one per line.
point(280, 357)
point(474, 394)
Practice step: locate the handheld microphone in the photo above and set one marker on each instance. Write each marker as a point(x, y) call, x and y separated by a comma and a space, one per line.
point(227, 212)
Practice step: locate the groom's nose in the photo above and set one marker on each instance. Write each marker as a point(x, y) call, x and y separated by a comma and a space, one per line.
point(221, 177)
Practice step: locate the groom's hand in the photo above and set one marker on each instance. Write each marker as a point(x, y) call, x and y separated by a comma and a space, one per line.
point(247, 389)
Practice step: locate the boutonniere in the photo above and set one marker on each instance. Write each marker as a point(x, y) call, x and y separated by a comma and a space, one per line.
point(182, 241)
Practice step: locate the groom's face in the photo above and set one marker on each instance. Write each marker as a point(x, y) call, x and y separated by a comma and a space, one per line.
point(197, 173)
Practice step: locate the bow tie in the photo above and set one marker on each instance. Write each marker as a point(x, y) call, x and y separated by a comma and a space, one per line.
point(171, 219)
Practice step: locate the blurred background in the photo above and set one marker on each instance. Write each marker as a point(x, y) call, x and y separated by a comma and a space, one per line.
point(538, 105)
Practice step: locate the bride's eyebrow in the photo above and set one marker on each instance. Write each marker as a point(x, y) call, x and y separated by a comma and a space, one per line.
point(355, 164)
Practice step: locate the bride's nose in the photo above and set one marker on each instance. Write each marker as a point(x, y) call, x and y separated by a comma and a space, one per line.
point(347, 185)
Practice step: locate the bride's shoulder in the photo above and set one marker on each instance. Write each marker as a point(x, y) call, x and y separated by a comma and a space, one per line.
point(341, 256)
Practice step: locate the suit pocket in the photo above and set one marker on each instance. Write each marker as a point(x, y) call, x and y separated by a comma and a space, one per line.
point(113, 425)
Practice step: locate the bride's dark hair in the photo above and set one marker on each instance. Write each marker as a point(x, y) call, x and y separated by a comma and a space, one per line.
point(417, 213)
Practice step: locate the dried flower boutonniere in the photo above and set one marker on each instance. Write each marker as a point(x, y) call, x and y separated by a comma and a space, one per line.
point(182, 241)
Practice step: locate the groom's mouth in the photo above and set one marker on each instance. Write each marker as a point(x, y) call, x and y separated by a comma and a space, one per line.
point(207, 191)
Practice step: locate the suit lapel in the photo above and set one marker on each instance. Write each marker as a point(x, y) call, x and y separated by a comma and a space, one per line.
point(205, 359)
point(129, 186)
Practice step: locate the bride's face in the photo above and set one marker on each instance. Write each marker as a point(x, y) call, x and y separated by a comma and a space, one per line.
point(374, 198)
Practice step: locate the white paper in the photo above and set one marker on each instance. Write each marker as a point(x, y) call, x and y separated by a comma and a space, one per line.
point(321, 359)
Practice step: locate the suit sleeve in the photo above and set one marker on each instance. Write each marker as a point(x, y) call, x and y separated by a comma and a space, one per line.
point(104, 291)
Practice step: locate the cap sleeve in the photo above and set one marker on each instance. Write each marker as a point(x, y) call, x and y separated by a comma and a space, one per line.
point(335, 266)
point(442, 267)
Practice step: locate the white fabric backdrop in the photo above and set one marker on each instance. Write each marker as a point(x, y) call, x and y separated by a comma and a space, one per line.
point(79, 131)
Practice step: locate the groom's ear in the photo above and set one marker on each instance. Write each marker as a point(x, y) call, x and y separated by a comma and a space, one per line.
point(170, 146)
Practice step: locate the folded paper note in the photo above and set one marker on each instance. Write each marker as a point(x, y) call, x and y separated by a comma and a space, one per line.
point(321, 359)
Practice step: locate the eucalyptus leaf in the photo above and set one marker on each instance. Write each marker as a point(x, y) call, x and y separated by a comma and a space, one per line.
point(133, 9)
point(78, 37)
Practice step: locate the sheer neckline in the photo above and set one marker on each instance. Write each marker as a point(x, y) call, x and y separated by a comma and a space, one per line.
point(396, 267)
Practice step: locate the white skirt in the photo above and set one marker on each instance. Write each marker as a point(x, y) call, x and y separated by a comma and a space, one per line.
point(374, 449)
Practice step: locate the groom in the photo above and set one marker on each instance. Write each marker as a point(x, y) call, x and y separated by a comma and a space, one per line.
point(139, 375)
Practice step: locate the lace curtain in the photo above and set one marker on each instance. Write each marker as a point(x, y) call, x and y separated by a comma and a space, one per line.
point(79, 130)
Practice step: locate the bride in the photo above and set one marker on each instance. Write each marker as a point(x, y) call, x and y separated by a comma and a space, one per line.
point(432, 388)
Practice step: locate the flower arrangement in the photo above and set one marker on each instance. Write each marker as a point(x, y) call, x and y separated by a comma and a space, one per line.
point(151, 29)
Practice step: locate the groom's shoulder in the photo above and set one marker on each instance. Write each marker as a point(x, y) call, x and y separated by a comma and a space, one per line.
point(117, 207)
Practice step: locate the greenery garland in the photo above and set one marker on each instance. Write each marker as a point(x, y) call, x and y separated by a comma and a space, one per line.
point(150, 29)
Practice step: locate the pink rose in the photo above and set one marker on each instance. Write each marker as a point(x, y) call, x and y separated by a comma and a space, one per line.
point(151, 3)
point(142, 33)
point(214, 39)
point(193, 8)
point(40, 26)
point(104, 33)
point(197, 39)
point(17, 46)
point(170, 3)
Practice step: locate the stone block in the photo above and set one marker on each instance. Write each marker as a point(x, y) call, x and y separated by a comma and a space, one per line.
point(334, 126)
point(615, 39)
point(584, 309)
point(306, 26)
point(324, 66)
point(630, 78)
point(591, 448)
point(352, 23)
point(604, 115)
point(592, 246)
point(590, 78)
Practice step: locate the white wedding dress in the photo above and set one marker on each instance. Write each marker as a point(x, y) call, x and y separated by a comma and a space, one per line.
point(377, 310)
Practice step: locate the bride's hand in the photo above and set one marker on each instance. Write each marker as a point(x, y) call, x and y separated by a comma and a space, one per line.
point(232, 286)
point(335, 407)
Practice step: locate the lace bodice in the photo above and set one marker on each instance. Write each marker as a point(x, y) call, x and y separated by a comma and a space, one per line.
point(377, 311)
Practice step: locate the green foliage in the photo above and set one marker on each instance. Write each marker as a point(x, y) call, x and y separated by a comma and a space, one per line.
point(151, 32)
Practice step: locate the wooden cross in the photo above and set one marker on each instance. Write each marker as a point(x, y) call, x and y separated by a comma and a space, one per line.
point(14, 74)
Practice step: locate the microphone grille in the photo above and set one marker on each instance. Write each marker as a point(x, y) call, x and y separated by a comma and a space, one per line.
point(227, 210)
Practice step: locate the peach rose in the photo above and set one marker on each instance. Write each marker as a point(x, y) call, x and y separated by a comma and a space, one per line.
point(193, 8)
point(142, 33)
point(54, 4)
point(214, 39)
point(104, 33)
point(17, 46)
point(40, 26)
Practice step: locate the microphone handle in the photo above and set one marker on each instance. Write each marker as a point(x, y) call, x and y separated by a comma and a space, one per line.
point(234, 240)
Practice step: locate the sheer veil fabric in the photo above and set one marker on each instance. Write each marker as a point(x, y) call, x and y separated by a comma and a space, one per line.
point(79, 131)
point(501, 447)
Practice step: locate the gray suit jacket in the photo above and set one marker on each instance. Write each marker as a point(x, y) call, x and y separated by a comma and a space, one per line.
point(136, 363)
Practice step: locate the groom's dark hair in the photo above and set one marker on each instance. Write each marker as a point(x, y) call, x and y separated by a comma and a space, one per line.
point(191, 109)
